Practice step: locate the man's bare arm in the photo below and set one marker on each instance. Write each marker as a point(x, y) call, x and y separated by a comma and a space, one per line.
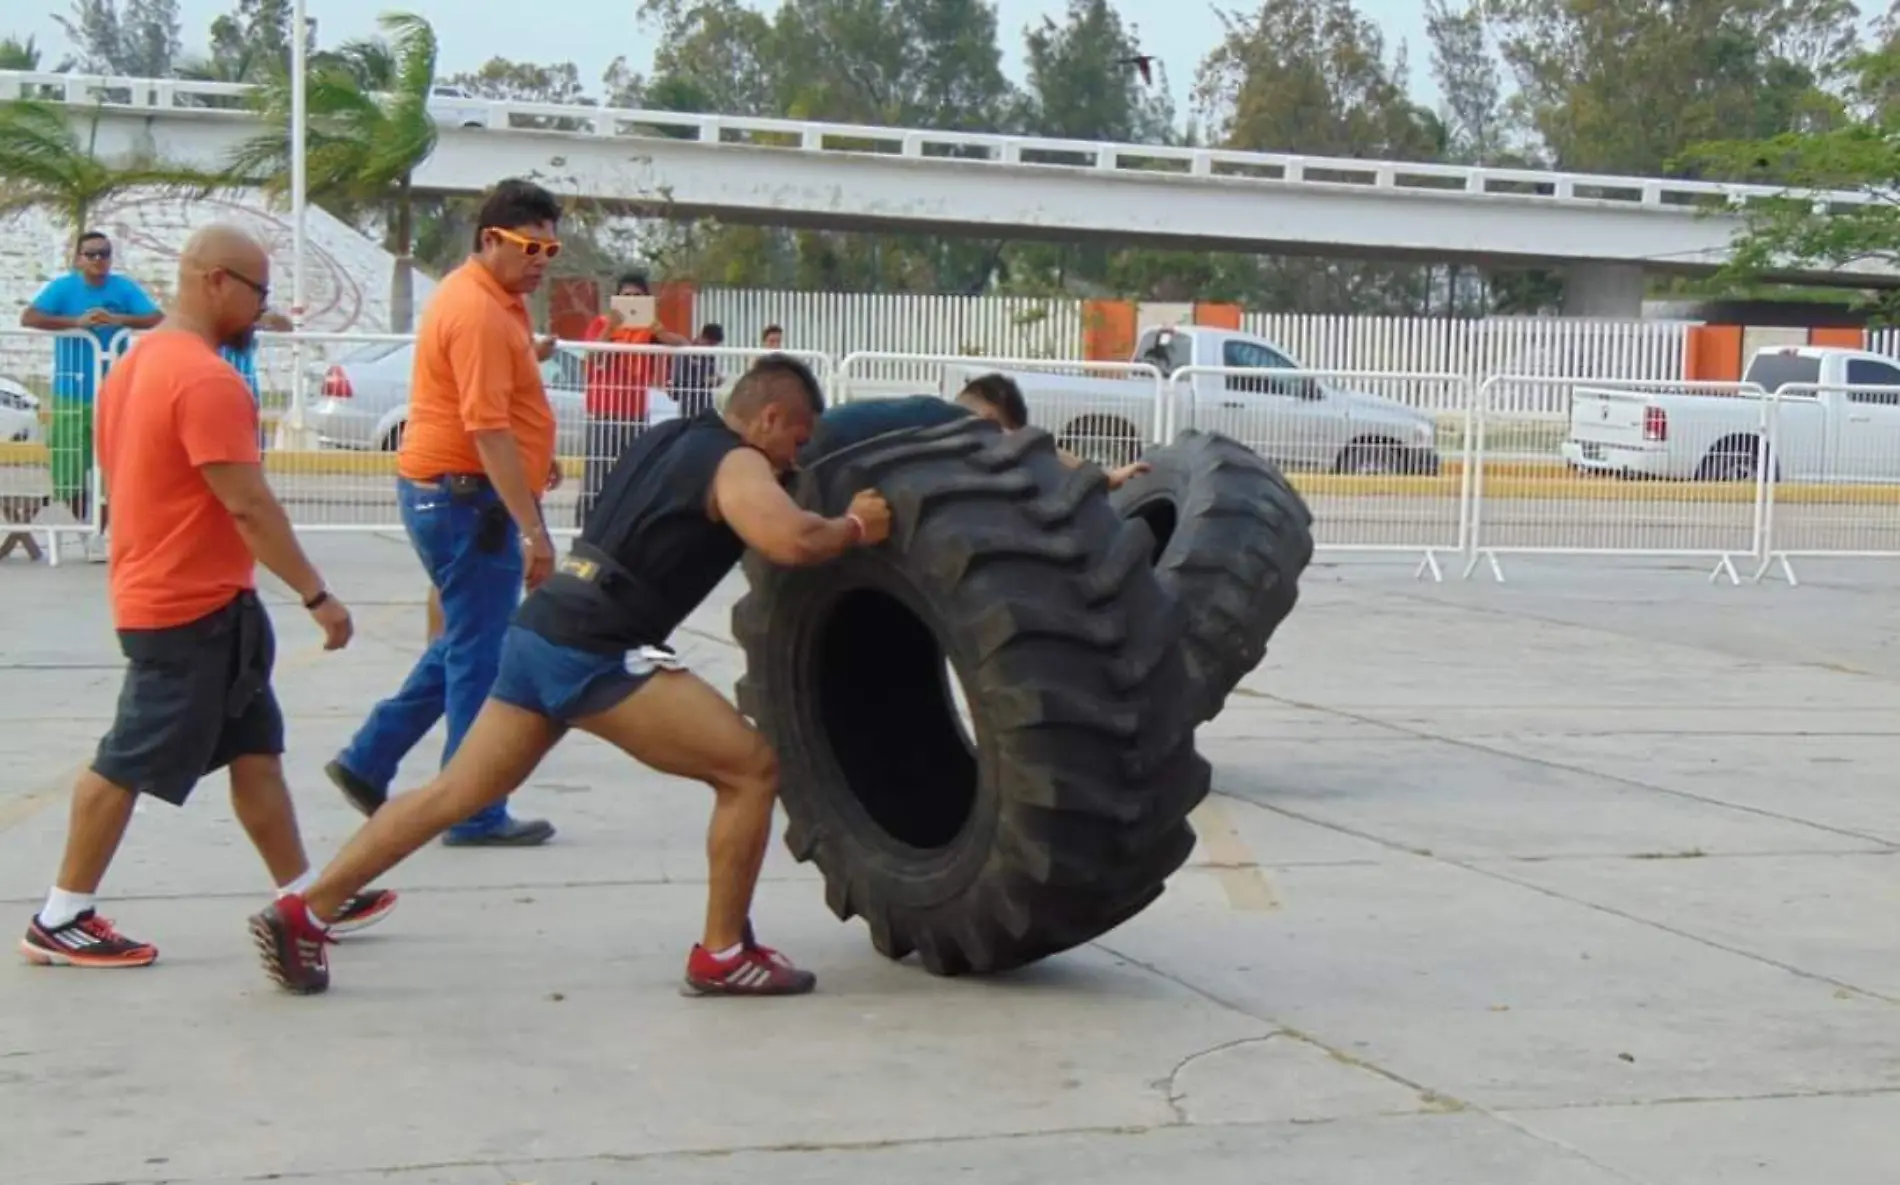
point(747, 496)
point(263, 524)
point(32, 318)
point(501, 460)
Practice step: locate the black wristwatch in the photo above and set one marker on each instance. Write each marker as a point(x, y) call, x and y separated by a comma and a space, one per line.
point(314, 602)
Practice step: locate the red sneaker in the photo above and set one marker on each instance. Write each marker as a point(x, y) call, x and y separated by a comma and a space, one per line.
point(87, 941)
point(363, 911)
point(291, 944)
point(755, 971)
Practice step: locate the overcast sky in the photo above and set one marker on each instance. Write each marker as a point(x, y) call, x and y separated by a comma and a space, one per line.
point(591, 33)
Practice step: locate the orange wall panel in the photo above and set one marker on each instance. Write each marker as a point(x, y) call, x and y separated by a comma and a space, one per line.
point(674, 303)
point(1217, 316)
point(573, 302)
point(1108, 330)
point(1715, 354)
point(1850, 336)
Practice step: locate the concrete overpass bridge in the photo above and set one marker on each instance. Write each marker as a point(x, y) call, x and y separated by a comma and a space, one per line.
point(1605, 232)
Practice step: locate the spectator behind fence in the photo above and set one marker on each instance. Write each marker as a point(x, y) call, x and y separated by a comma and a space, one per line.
point(91, 296)
point(696, 375)
point(616, 389)
point(244, 361)
point(773, 338)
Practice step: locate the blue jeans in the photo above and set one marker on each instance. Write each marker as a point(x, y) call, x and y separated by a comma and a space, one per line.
point(479, 591)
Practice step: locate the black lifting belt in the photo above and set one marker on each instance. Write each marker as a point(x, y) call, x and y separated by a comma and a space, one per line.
point(636, 601)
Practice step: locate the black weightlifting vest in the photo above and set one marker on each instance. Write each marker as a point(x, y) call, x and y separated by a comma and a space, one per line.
point(649, 554)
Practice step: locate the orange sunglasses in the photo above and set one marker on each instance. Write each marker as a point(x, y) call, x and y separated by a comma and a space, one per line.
point(529, 247)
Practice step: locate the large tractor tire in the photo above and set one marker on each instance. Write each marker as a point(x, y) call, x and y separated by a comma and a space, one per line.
point(1232, 538)
point(1061, 809)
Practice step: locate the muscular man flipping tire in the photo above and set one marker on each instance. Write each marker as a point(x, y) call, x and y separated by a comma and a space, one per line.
point(586, 650)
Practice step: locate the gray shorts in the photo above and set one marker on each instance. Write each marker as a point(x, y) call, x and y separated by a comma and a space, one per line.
point(195, 698)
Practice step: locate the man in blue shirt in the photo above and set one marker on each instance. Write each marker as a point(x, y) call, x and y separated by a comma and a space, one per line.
point(91, 296)
point(245, 363)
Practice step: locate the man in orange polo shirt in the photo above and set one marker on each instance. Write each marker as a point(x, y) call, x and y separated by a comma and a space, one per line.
point(476, 458)
point(192, 519)
point(617, 387)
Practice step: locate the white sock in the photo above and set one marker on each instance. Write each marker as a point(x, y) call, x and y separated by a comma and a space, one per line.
point(730, 953)
point(62, 907)
point(301, 884)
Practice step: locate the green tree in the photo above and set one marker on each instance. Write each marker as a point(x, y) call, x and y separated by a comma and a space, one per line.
point(142, 40)
point(1860, 154)
point(16, 54)
point(1623, 86)
point(1080, 87)
point(1313, 76)
point(49, 164)
point(368, 131)
point(251, 43)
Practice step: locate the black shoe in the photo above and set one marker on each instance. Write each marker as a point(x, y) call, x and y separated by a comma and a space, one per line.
point(363, 796)
point(512, 833)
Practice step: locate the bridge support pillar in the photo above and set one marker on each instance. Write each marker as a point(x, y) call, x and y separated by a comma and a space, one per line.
point(1604, 290)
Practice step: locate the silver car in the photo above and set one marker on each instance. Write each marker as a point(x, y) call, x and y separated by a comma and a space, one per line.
point(362, 401)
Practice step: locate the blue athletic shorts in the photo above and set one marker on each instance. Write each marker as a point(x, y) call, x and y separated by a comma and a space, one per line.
point(565, 684)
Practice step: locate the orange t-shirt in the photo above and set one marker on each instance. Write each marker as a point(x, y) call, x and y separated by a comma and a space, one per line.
point(617, 384)
point(475, 371)
point(169, 407)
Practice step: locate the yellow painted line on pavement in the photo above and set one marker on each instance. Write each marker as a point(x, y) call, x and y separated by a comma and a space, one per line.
point(1548, 481)
point(1235, 869)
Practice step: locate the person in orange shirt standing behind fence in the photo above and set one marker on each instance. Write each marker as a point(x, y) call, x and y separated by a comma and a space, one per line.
point(476, 458)
point(192, 519)
point(617, 387)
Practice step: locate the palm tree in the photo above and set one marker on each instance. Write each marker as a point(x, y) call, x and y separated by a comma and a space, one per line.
point(47, 163)
point(368, 130)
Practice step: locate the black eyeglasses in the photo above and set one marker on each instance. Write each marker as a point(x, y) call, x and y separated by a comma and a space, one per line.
point(97, 253)
point(262, 290)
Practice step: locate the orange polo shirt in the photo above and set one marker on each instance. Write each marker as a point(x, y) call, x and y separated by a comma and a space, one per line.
point(475, 371)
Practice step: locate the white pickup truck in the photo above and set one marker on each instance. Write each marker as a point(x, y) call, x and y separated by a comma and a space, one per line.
point(1294, 420)
point(1839, 420)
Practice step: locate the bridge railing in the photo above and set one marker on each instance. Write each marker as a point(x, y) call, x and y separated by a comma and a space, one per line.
point(1412, 177)
point(1629, 470)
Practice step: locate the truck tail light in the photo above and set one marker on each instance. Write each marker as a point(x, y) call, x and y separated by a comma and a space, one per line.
point(336, 385)
point(1655, 424)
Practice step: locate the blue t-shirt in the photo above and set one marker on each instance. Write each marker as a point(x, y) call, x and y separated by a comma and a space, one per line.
point(850, 423)
point(72, 296)
point(244, 362)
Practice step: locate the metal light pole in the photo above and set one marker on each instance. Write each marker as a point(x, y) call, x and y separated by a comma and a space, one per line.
point(299, 66)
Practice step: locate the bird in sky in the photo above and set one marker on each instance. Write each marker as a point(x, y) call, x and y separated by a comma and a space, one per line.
point(1143, 63)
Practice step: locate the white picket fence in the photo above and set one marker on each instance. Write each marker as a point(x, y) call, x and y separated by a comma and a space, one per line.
point(1037, 327)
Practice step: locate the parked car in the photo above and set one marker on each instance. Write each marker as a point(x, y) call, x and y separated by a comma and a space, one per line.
point(454, 107)
point(362, 402)
point(1832, 427)
point(19, 413)
point(1295, 420)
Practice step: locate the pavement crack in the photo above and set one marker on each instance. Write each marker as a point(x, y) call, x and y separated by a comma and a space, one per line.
point(1434, 1100)
point(1172, 1084)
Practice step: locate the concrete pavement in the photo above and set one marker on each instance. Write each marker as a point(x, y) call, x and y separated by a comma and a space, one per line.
point(1551, 883)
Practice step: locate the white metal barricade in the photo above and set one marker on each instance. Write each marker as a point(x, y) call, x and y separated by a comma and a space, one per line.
point(1832, 475)
point(49, 460)
point(1618, 472)
point(641, 385)
point(1106, 412)
point(331, 410)
point(1382, 458)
